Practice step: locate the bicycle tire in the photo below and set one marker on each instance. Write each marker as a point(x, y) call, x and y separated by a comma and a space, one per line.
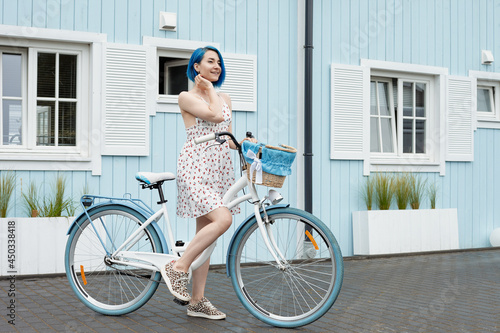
point(306, 288)
point(107, 288)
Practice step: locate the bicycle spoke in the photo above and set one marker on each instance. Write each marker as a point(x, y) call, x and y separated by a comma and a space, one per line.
point(297, 287)
point(111, 288)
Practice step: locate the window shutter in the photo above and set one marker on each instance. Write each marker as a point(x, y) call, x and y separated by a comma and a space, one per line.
point(350, 112)
point(459, 119)
point(126, 121)
point(241, 81)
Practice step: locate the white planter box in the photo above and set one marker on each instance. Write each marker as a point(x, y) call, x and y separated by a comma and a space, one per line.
point(401, 231)
point(39, 245)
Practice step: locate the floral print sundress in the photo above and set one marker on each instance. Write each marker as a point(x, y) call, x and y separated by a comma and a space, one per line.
point(205, 171)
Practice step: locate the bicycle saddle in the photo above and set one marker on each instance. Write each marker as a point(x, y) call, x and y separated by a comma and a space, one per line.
point(154, 177)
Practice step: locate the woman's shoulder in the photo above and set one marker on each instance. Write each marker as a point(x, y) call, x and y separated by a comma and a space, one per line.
point(226, 98)
point(185, 95)
point(224, 95)
point(186, 98)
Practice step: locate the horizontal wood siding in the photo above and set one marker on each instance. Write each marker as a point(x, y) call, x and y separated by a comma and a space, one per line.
point(267, 29)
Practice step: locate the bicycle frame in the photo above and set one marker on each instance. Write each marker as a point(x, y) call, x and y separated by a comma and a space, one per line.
point(154, 261)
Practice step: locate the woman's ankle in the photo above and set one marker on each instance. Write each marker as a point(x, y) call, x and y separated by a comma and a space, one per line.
point(194, 300)
point(179, 268)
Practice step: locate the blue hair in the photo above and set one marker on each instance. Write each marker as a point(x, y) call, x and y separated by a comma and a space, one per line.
point(197, 56)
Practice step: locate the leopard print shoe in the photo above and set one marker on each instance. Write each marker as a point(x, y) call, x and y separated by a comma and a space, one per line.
point(204, 309)
point(176, 281)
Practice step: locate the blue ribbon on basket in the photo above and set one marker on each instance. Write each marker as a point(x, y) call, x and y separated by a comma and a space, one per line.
point(273, 161)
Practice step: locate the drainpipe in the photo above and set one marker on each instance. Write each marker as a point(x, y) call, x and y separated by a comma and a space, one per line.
point(308, 154)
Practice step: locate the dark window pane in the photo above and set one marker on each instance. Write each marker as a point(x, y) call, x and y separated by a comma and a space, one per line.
point(420, 99)
point(395, 92)
point(407, 99)
point(67, 76)
point(420, 136)
point(11, 122)
point(407, 136)
point(177, 79)
point(45, 123)
point(483, 100)
point(383, 90)
point(67, 124)
point(374, 135)
point(46, 75)
point(387, 144)
point(373, 98)
point(11, 75)
point(172, 76)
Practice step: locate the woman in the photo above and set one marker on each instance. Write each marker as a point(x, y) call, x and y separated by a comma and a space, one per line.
point(204, 173)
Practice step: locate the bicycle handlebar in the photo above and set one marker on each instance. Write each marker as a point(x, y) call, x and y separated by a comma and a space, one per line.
point(204, 138)
point(216, 137)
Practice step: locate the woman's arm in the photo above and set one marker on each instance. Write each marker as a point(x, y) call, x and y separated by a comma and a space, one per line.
point(196, 107)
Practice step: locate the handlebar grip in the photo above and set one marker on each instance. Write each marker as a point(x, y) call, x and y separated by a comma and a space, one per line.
point(204, 138)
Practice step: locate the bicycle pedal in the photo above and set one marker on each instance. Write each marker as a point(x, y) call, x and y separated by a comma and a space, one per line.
point(181, 302)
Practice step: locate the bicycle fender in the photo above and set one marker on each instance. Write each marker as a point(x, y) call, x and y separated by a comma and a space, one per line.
point(135, 208)
point(249, 217)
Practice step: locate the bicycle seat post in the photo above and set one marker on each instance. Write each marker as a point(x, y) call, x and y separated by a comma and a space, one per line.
point(160, 193)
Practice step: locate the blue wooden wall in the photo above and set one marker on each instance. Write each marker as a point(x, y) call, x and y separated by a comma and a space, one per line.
point(445, 33)
point(267, 29)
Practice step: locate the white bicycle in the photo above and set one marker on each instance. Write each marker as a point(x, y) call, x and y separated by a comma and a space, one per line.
point(284, 263)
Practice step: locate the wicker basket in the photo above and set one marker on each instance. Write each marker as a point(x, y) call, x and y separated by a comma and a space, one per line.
point(268, 179)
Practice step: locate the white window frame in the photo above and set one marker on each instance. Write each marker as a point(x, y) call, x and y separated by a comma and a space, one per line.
point(80, 150)
point(492, 81)
point(397, 122)
point(24, 98)
point(172, 48)
point(398, 157)
point(86, 154)
point(392, 116)
point(481, 114)
point(433, 159)
point(165, 71)
point(240, 82)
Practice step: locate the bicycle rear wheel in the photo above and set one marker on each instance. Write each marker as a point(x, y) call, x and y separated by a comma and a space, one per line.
point(305, 287)
point(105, 287)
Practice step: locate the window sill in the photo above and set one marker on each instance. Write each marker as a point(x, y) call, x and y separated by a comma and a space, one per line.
point(41, 154)
point(40, 163)
point(47, 157)
point(488, 123)
point(167, 104)
point(404, 165)
point(402, 160)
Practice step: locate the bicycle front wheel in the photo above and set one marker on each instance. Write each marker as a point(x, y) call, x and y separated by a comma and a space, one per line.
point(103, 286)
point(304, 286)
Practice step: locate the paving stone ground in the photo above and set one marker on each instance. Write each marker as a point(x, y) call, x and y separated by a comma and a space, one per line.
point(444, 292)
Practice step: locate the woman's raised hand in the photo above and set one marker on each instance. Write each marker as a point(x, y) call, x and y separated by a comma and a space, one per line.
point(202, 83)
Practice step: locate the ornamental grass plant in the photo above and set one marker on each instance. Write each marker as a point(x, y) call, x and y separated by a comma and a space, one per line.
point(432, 191)
point(417, 190)
point(384, 190)
point(7, 185)
point(368, 192)
point(402, 190)
point(30, 200)
point(56, 203)
point(53, 204)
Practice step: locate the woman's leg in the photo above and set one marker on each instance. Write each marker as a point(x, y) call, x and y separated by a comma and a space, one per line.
point(208, 228)
point(200, 274)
